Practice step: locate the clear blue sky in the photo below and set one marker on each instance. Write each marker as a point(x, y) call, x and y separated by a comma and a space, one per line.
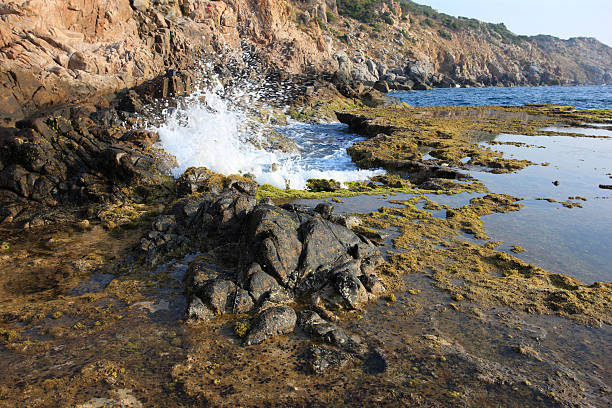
point(561, 18)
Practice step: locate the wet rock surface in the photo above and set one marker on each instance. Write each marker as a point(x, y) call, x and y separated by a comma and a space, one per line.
point(71, 157)
point(271, 322)
point(288, 254)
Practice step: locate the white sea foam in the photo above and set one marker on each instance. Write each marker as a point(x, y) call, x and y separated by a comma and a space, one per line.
point(210, 130)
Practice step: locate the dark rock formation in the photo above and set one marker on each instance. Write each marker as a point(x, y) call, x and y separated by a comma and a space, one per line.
point(306, 252)
point(271, 322)
point(70, 157)
point(288, 254)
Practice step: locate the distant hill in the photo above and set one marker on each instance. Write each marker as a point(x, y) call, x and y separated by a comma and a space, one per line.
point(469, 50)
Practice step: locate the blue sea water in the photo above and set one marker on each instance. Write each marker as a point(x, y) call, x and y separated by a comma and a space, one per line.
point(581, 97)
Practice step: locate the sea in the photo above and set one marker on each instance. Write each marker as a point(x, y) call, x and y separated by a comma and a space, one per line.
point(210, 130)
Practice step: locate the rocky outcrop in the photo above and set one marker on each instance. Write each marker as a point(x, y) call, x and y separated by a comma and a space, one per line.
point(289, 255)
point(586, 60)
point(71, 51)
point(415, 47)
point(308, 252)
point(70, 157)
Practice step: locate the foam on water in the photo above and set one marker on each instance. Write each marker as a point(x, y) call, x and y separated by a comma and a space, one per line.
point(209, 129)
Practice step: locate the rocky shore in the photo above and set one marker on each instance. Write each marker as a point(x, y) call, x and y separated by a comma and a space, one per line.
point(121, 285)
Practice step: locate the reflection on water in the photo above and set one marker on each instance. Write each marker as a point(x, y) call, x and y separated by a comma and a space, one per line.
point(575, 241)
point(583, 131)
point(567, 353)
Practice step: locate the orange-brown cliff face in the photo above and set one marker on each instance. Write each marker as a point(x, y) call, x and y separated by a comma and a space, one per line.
point(73, 50)
point(76, 50)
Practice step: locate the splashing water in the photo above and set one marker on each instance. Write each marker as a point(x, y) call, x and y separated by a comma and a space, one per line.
point(210, 129)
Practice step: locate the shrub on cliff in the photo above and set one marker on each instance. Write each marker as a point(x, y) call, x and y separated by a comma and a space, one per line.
point(361, 10)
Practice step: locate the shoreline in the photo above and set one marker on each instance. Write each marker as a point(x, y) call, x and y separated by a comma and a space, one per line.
point(203, 360)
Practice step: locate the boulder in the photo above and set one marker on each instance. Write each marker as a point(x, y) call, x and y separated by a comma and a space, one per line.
point(271, 322)
point(348, 285)
point(219, 295)
point(272, 239)
point(198, 312)
point(243, 303)
point(193, 180)
point(382, 86)
point(314, 325)
point(260, 283)
point(303, 250)
point(322, 359)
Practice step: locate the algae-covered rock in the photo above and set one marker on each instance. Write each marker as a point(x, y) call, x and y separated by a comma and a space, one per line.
point(399, 135)
point(479, 273)
point(319, 185)
point(272, 322)
point(322, 359)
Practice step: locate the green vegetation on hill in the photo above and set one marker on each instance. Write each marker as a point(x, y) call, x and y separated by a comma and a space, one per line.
point(361, 10)
point(367, 11)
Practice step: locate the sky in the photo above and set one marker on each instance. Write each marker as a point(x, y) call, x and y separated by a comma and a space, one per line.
point(561, 18)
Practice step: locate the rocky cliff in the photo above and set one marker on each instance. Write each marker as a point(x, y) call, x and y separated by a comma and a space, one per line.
point(77, 50)
point(69, 51)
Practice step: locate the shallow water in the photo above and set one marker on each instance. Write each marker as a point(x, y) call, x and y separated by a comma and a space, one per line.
point(574, 241)
point(582, 97)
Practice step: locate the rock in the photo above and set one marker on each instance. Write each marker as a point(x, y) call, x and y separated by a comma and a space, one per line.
point(325, 209)
point(349, 222)
point(219, 296)
point(273, 298)
point(389, 77)
point(325, 243)
point(319, 185)
point(377, 237)
point(131, 103)
point(261, 283)
point(243, 303)
point(314, 325)
point(347, 283)
point(321, 359)
point(198, 312)
point(273, 243)
point(374, 98)
point(420, 86)
point(305, 18)
point(382, 86)
point(373, 284)
point(302, 251)
point(164, 223)
point(193, 180)
point(141, 5)
point(199, 274)
point(274, 321)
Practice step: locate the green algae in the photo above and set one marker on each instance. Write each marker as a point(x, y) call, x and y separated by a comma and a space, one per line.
point(400, 136)
point(241, 328)
point(434, 246)
point(323, 185)
point(354, 189)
